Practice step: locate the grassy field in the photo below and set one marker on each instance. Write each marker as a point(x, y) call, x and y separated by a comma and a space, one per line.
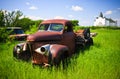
point(100, 61)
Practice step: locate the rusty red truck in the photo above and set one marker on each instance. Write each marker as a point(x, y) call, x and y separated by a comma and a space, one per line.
point(54, 41)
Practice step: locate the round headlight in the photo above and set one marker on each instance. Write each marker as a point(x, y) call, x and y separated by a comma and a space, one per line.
point(42, 49)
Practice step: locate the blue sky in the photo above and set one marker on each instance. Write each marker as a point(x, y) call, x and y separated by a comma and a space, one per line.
point(83, 10)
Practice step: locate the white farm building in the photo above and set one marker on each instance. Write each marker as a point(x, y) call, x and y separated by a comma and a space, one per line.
point(103, 21)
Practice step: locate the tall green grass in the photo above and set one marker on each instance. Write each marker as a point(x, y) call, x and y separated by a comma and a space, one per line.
point(100, 61)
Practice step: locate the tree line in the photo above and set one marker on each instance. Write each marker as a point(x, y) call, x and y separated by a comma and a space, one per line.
point(13, 19)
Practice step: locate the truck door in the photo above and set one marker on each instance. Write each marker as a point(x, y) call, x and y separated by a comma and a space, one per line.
point(69, 38)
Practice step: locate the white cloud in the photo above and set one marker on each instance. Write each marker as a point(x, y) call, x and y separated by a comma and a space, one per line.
point(59, 17)
point(108, 12)
point(85, 23)
point(34, 17)
point(77, 8)
point(27, 3)
point(33, 8)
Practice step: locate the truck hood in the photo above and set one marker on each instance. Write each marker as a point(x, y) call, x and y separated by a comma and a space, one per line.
point(45, 36)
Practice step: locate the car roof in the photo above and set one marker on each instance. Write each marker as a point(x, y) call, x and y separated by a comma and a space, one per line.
point(61, 21)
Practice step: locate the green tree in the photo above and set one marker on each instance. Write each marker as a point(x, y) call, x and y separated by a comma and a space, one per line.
point(8, 19)
point(24, 23)
point(4, 35)
point(11, 18)
point(37, 22)
point(27, 23)
point(2, 20)
point(74, 22)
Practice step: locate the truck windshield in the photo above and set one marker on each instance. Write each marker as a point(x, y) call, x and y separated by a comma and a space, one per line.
point(51, 27)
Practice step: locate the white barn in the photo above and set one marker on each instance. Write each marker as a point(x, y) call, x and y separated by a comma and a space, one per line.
point(103, 21)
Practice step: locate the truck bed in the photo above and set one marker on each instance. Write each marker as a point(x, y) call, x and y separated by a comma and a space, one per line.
point(80, 33)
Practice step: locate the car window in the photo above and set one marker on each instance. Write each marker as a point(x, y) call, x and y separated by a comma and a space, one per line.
point(44, 27)
point(56, 27)
point(15, 31)
point(18, 31)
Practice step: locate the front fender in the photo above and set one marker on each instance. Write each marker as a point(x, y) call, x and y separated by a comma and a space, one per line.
point(58, 53)
point(57, 49)
point(52, 51)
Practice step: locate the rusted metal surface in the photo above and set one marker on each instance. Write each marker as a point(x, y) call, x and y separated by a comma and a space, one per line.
point(19, 36)
point(61, 21)
point(80, 33)
point(68, 39)
point(60, 39)
point(56, 49)
point(39, 58)
point(45, 36)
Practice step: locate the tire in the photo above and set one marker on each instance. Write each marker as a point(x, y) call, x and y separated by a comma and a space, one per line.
point(86, 33)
